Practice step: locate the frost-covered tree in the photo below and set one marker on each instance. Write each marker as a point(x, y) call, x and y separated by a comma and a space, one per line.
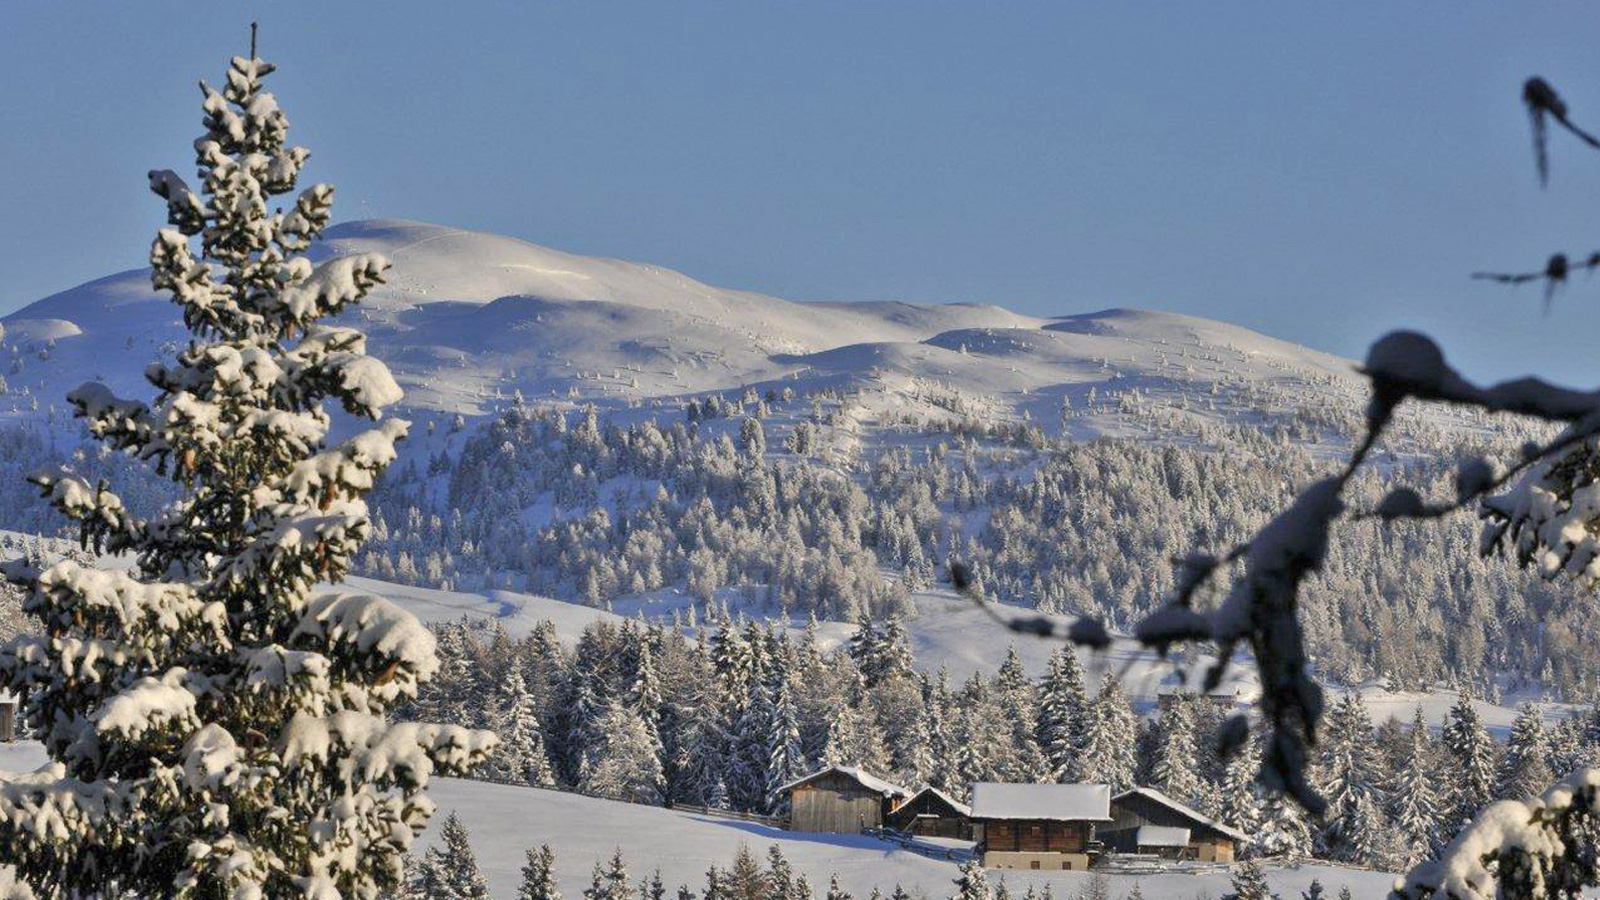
point(450, 871)
point(1249, 883)
point(539, 875)
point(1063, 715)
point(217, 725)
point(1175, 767)
point(1471, 754)
point(1525, 772)
point(1109, 752)
point(1414, 806)
point(972, 883)
point(625, 761)
point(522, 757)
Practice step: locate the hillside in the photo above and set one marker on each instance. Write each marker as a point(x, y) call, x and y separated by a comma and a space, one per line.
point(504, 821)
point(468, 318)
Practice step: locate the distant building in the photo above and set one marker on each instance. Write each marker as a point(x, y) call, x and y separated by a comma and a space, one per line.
point(841, 800)
point(1038, 826)
point(1144, 820)
point(933, 813)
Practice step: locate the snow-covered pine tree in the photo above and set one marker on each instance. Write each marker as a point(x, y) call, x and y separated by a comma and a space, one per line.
point(609, 881)
point(1175, 768)
point(1240, 801)
point(1315, 891)
point(1414, 807)
point(1110, 738)
point(1525, 772)
point(835, 892)
point(625, 761)
point(522, 757)
point(972, 883)
point(1063, 715)
point(1472, 762)
point(784, 762)
point(1249, 883)
point(1348, 777)
point(539, 875)
point(218, 728)
point(449, 871)
point(1284, 829)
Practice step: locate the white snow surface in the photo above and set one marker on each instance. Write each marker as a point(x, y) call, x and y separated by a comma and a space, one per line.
point(504, 821)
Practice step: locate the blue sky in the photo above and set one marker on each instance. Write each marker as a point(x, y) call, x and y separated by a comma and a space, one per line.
point(1319, 172)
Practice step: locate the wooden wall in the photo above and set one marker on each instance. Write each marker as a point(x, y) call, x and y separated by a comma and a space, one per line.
point(834, 804)
point(1031, 836)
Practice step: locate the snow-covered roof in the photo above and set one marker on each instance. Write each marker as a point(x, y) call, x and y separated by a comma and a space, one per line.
point(1055, 802)
point(955, 804)
point(867, 780)
point(1177, 807)
point(1160, 836)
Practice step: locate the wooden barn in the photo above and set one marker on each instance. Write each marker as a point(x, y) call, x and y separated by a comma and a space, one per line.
point(1039, 826)
point(933, 813)
point(1144, 820)
point(841, 800)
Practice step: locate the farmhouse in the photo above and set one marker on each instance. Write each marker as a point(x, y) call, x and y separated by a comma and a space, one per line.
point(841, 800)
point(1038, 826)
point(1144, 820)
point(933, 813)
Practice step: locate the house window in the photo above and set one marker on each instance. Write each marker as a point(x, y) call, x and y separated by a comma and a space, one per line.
point(1034, 864)
point(1067, 865)
point(1033, 830)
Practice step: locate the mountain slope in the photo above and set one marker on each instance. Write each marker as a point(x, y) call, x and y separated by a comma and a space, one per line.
point(467, 318)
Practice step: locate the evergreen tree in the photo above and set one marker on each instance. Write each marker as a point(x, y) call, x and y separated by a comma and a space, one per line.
point(1471, 764)
point(609, 882)
point(1249, 883)
point(1414, 807)
point(784, 762)
point(228, 719)
point(624, 762)
point(744, 880)
point(1525, 773)
point(1284, 829)
point(1241, 804)
point(539, 876)
point(1315, 891)
point(1064, 716)
point(1175, 768)
point(450, 871)
point(835, 892)
point(522, 756)
point(972, 883)
point(1348, 778)
point(1108, 754)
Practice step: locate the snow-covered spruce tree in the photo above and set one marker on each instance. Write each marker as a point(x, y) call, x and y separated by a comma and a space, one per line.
point(450, 870)
point(539, 875)
point(217, 726)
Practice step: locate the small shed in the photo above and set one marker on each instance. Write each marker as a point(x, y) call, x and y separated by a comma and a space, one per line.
point(933, 813)
point(1039, 826)
point(841, 800)
point(1136, 812)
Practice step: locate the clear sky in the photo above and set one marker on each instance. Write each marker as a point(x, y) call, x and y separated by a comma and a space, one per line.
point(1322, 172)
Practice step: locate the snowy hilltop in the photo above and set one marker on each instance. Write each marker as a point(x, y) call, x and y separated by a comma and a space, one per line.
point(468, 318)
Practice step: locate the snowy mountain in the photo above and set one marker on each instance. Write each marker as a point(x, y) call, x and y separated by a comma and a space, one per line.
point(467, 318)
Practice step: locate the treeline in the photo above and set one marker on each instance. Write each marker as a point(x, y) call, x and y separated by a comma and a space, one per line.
point(567, 505)
point(724, 713)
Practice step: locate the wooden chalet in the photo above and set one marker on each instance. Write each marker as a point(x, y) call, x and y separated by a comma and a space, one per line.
point(1038, 826)
point(1144, 820)
point(841, 800)
point(933, 813)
